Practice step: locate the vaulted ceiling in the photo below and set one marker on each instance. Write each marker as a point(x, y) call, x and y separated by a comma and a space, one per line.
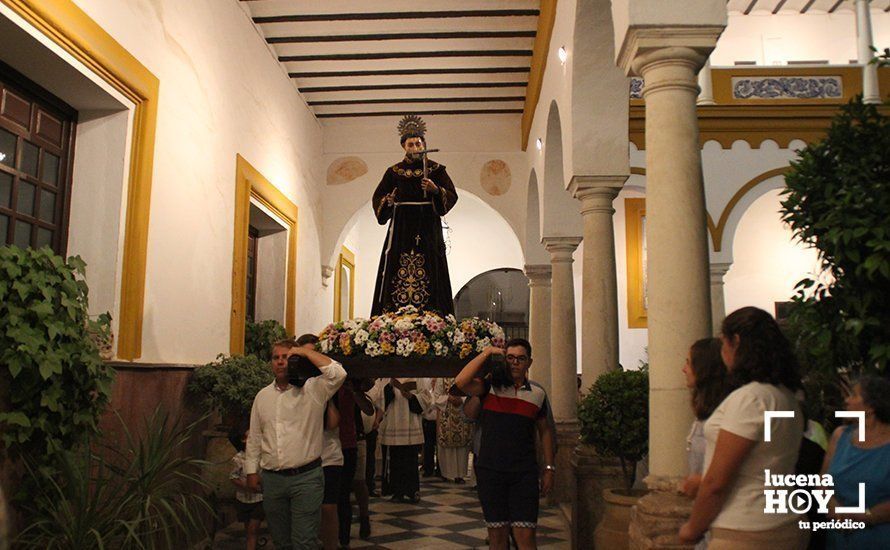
point(353, 58)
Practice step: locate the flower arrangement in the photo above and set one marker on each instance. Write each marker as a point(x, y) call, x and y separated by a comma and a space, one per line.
point(410, 332)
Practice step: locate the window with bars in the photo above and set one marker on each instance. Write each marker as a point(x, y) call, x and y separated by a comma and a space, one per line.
point(36, 134)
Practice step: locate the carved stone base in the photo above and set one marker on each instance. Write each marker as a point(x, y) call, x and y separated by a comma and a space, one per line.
point(593, 474)
point(657, 517)
point(564, 482)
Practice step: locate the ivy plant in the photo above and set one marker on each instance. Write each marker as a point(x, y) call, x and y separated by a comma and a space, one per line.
point(55, 384)
point(837, 200)
point(614, 417)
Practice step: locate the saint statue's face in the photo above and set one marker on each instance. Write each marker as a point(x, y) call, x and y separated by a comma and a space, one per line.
point(413, 145)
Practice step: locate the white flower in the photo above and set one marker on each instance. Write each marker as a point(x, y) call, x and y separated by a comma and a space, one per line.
point(325, 346)
point(482, 344)
point(404, 347)
point(404, 325)
point(361, 336)
point(373, 349)
point(439, 348)
point(458, 337)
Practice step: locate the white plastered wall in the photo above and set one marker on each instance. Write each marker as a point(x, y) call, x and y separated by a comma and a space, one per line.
point(222, 92)
point(789, 36)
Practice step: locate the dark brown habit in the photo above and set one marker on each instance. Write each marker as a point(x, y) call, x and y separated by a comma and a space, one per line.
point(413, 269)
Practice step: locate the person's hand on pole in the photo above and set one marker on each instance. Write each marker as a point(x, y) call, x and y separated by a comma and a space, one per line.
point(390, 198)
point(428, 186)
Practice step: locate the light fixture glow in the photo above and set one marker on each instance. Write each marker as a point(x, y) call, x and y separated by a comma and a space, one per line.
point(539, 143)
point(2, 157)
point(563, 54)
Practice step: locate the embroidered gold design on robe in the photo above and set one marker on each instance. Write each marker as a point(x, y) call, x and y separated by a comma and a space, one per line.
point(411, 284)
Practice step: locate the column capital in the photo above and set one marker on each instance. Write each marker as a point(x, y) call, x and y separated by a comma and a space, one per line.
point(561, 248)
point(596, 193)
point(601, 183)
point(538, 274)
point(718, 270)
point(644, 42)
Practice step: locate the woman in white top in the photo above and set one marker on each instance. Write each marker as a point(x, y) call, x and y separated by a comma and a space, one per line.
point(730, 499)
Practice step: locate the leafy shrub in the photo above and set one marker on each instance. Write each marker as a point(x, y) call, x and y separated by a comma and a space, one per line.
point(229, 384)
point(614, 418)
point(837, 200)
point(47, 354)
point(146, 495)
point(259, 337)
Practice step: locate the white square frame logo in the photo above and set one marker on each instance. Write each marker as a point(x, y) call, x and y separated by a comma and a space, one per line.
point(859, 415)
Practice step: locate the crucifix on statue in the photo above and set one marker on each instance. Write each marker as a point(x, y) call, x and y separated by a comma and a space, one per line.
point(412, 197)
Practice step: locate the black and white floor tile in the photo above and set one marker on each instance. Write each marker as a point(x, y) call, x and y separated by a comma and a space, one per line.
point(447, 517)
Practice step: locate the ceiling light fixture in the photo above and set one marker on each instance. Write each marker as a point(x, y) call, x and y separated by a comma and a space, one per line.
point(562, 54)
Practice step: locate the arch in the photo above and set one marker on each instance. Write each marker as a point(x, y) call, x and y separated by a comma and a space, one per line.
point(534, 250)
point(500, 295)
point(366, 207)
point(755, 188)
point(560, 213)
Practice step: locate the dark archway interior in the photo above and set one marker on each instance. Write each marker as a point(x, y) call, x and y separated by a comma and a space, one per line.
point(499, 295)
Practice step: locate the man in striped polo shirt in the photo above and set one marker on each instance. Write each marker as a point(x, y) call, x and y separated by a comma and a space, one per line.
point(507, 468)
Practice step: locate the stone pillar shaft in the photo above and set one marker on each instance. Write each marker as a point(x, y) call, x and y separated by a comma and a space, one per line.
point(718, 303)
point(563, 371)
point(539, 323)
point(599, 294)
point(679, 308)
point(870, 91)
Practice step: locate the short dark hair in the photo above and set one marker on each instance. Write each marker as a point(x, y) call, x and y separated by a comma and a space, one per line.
point(519, 342)
point(236, 435)
point(308, 338)
point(875, 392)
point(763, 353)
point(286, 343)
point(408, 136)
point(711, 385)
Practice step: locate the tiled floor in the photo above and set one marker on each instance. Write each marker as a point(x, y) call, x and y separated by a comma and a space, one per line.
point(447, 517)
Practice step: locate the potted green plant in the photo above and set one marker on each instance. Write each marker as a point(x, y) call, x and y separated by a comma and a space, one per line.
point(259, 337)
point(229, 384)
point(614, 417)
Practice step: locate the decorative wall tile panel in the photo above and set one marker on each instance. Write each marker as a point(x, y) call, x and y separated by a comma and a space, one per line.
point(787, 87)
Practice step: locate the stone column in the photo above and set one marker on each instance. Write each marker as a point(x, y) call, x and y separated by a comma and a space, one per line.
point(679, 295)
point(563, 370)
point(539, 323)
point(718, 304)
point(870, 91)
point(599, 291)
point(706, 87)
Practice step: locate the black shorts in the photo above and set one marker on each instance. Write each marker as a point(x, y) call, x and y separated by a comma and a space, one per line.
point(331, 484)
point(508, 498)
point(246, 511)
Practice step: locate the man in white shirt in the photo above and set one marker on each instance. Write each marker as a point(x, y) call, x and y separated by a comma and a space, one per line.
point(286, 426)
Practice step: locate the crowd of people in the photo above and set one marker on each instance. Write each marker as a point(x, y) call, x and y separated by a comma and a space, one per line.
point(310, 447)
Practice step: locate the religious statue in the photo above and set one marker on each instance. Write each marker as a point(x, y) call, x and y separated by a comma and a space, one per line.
point(412, 196)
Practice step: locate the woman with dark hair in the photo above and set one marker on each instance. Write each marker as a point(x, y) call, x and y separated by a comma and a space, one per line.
point(730, 499)
point(706, 376)
point(855, 459)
